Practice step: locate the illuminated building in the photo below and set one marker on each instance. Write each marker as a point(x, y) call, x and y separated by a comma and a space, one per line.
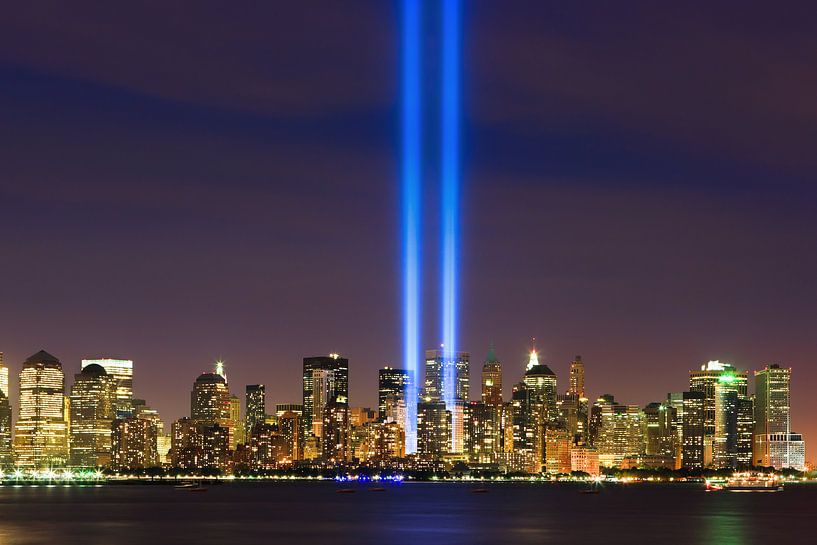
point(267, 447)
point(620, 433)
point(482, 431)
point(540, 383)
point(585, 459)
point(163, 446)
point(361, 415)
point(335, 385)
point(787, 450)
point(256, 408)
point(6, 453)
point(282, 408)
point(133, 444)
point(557, 450)
point(725, 439)
point(199, 444)
point(435, 377)
point(391, 387)
point(705, 381)
point(433, 430)
point(210, 400)
point(774, 443)
point(390, 441)
point(693, 424)
point(492, 380)
point(335, 446)
point(443, 367)
point(41, 432)
point(122, 371)
point(289, 427)
point(523, 427)
point(745, 432)
point(236, 425)
point(661, 430)
point(93, 410)
point(142, 411)
point(577, 377)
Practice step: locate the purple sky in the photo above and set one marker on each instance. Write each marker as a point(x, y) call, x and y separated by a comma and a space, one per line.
point(181, 183)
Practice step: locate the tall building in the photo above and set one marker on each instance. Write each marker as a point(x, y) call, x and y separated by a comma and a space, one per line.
point(210, 399)
point(41, 432)
point(338, 369)
point(540, 383)
point(335, 447)
point(93, 410)
point(774, 443)
point(725, 438)
point(256, 408)
point(236, 425)
point(122, 371)
point(661, 430)
point(133, 444)
point(142, 411)
point(705, 381)
point(391, 388)
point(6, 454)
point(433, 430)
point(289, 427)
point(620, 432)
point(440, 365)
point(492, 380)
point(482, 432)
point(577, 377)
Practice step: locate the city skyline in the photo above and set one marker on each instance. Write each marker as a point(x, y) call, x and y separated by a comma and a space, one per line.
point(645, 236)
point(719, 423)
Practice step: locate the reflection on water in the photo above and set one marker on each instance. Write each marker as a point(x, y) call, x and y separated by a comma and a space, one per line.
point(411, 513)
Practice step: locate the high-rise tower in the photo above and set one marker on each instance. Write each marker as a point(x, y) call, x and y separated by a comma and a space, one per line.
point(774, 443)
point(256, 411)
point(41, 432)
point(122, 371)
point(93, 410)
point(577, 377)
point(492, 379)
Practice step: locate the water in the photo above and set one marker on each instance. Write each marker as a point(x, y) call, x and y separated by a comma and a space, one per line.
point(304, 513)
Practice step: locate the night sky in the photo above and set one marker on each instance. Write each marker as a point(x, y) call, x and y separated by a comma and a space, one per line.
point(182, 183)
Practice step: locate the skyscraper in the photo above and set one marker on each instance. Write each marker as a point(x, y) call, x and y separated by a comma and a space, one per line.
point(210, 400)
point(540, 383)
point(339, 368)
point(492, 380)
point(122, 371)
point(577, 377)
point(133, 444)
point(93, 410)
point(619, 433)
point(705, 381)
point(5, 416)
point(433, 430)
point(774, 443)
point(256, 409)
point(41, 432)
point(391, 386)
point(236, 425)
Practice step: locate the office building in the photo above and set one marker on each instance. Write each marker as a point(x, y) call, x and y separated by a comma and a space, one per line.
point(41, 432)
point(433, 430)
point(391, 388)
point(133, 444)
point(6, 453)
point(492, 380)
point(122, 371)
point(333, 375)
point(93, 410)
point(256, 408)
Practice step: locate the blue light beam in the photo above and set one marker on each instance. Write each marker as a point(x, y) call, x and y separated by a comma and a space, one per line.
point(411, 220)
point(450, 171)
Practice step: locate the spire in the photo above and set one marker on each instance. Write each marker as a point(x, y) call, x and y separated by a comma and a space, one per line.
point(533, 361)
point(220, 369)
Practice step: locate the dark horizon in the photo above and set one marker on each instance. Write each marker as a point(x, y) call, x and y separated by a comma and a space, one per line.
point(180, 186)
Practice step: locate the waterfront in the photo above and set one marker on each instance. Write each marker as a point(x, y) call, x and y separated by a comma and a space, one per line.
point(410, 513)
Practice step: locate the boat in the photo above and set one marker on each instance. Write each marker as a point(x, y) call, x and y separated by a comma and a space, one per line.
point(747, 482)
point(190, 486)
point(345, 491)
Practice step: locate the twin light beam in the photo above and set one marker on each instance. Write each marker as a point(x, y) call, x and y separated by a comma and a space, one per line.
point(412, 170)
